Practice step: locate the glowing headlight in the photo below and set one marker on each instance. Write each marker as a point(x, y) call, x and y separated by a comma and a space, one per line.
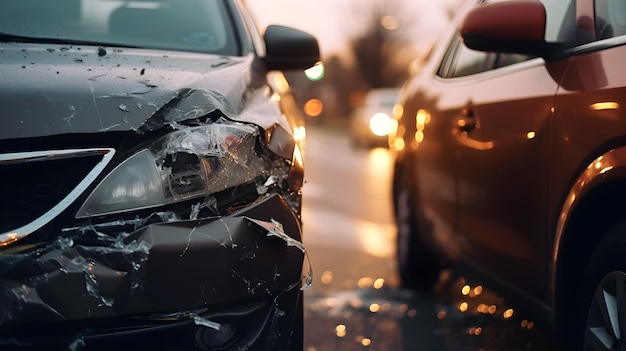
point(380, 124)
point(185, 164)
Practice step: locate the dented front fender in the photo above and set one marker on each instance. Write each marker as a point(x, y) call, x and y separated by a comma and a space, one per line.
point(158, 269)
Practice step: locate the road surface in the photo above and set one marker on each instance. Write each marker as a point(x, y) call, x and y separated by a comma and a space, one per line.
point(355, 302)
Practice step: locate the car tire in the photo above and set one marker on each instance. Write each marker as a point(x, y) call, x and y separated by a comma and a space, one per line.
point(605, 298)
point(419, 264)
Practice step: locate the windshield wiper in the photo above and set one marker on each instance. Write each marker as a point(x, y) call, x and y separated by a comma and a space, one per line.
point(13, 38)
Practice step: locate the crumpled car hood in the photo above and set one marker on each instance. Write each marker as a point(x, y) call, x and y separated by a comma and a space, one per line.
point(182, 265)
point(60, 89)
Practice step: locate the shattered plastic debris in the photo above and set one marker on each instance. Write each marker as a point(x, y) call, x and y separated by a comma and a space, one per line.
point(71, 260)
point(189, 241)
point(218, 141)
point(195, 210)
point(165, 217)
point(307, 280)
point(275, 229)
point(114, 269)
point(209, 203)
point(207, 323)
point(230, 235)
point(278, 231)
point(263, 189)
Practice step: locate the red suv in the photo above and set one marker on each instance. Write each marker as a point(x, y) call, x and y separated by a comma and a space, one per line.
point(511, 161)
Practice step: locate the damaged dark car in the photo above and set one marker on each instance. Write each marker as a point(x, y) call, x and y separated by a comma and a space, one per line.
point(151, 172)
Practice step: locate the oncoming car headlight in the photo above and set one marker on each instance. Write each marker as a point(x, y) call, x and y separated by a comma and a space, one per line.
point(380, 123)
point(185, 164)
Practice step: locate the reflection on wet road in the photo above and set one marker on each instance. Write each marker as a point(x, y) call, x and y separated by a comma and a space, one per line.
point(355, 302)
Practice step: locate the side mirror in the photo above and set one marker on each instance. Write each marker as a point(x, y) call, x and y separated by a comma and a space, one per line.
point(512, 26)
point(289, 49)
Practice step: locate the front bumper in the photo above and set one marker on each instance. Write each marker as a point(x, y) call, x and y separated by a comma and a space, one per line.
point(231, 282)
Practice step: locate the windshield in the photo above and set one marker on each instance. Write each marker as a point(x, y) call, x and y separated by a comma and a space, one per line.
point(187, 25)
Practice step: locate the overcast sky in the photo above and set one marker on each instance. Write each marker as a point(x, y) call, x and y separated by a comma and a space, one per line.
point(330, 22)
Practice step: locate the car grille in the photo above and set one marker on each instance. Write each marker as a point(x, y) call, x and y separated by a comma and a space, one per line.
point(36, 186)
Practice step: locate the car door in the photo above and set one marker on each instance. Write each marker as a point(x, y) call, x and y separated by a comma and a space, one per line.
point(429, 112)
point(502, 135)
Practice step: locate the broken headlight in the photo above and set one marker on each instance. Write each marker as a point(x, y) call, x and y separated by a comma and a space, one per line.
point(185, 164)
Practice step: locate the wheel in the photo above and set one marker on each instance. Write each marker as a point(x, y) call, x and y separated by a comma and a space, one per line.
point(605, 319)
point(419, 264)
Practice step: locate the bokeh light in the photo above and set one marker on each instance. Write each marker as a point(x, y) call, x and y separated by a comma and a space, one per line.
point(389, 22)
point(374, 307)
point(341, 330)
point(316, 72)
point(463, 306)
point(327, 277)
point(313, 107)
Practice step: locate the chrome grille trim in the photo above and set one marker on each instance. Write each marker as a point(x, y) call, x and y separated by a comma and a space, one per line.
point(52, 155)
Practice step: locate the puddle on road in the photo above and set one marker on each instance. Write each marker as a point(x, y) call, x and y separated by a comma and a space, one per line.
point(374, 314)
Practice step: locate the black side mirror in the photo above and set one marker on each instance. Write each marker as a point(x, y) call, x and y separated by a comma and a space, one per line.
point(289, 49)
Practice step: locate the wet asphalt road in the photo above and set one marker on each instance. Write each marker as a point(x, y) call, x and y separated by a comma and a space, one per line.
point(355, 302)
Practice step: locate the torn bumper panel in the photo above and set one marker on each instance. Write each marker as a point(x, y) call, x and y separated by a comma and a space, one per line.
point(229, 282)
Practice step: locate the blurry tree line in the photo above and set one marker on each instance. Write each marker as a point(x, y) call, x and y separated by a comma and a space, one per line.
point(381, 53)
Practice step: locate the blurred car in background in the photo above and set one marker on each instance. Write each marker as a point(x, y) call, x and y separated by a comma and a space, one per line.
point(371, 121)
point(510, 162)
point(151, 177)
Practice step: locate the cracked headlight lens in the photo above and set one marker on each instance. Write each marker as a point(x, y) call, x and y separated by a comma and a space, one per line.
point(185, 164)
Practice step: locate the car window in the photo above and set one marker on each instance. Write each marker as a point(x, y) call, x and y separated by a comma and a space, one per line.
point(610, 18)
point(186, 25)
point(468, 62)
point(504, 59)
point(560, 20)
point(461, 61)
